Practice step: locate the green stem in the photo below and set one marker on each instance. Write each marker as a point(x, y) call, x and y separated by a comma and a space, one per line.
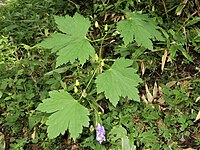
point(89, 81)
point(184, 23)
point(95, 40)
point(101, 47)
point(92, 78)
point(74, 4)
point(97, 115)
point(101, 50)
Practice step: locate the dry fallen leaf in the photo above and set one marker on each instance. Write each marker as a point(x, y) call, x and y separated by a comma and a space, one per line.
point(160, 92)
point(105, 17)
point(142, 68)
point(164, 60)
point(170, 84)
point(155, 90)
point(197, 117)
point(198, 98)
point(144, 99)
point(25, 132)
point(149, 95)
point(161, 100)
point(2, 138)
point(33, 134)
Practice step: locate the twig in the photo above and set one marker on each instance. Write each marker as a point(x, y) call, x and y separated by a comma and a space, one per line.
point(164, 5)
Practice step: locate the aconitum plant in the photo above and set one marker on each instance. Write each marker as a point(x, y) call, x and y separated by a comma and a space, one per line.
point(73, 45)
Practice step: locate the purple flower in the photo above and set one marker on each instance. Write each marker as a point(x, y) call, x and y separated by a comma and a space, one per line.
point(100, 133)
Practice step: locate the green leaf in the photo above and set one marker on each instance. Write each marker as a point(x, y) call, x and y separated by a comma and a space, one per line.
point(127, 145)
point(117, 132)
point(193, 21)
point(75, 26)
point(179, 8)
point(73, 44)
point(139, 27)
point(148, 138)
point(59, 70)
point(175, 48)
point(66, 113)
point(1, 94)
point(185, 53)
point(119, 81)
point(151, 112)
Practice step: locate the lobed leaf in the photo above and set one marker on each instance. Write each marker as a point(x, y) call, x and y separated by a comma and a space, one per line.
point(74, 26)
point(119, 81)
point(139, 27)
point(66, 113)
point(72, 44)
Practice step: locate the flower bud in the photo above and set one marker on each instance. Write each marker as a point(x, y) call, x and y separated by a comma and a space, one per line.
point(75, 89)
point(106, 27)
point(96, 24)
point(91, 128)
point(84, 94)
point(153, 8)
point(77, 83)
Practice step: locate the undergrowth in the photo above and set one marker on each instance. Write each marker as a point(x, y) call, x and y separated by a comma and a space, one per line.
point(99, 74)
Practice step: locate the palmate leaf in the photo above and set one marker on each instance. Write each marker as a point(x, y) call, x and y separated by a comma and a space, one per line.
point(66, 113)
point(72, 44)
point(139, 27)
point(119, 81)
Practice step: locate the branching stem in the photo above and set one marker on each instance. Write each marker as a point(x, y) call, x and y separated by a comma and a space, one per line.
point(89, 82)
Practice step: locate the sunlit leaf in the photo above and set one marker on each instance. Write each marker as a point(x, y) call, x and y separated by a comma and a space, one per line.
point(66, 113)
point(119, 81)
point(139, 27)
point(72, 44)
